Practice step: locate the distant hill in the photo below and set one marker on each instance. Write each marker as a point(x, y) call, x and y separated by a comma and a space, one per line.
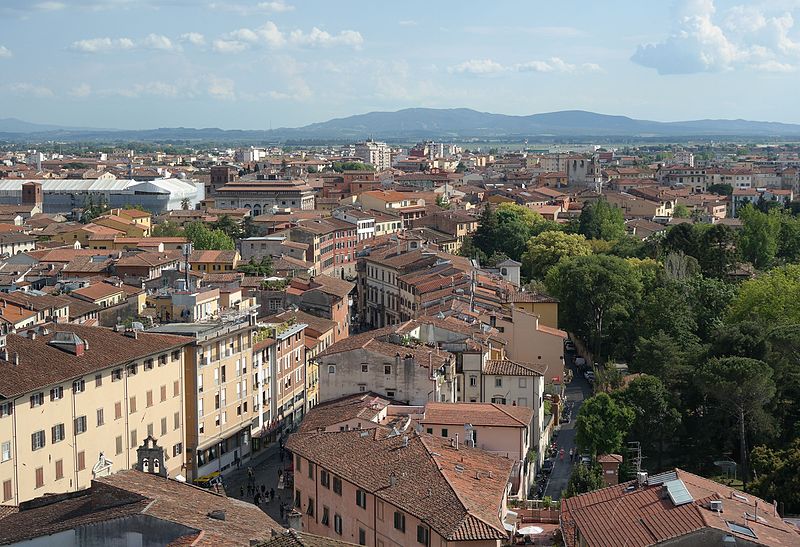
point(418, 123)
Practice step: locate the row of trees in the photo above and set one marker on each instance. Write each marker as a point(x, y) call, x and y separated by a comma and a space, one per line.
point(719, 359)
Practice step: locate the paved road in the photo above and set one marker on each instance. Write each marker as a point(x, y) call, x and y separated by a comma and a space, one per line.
point(265, 468)
point(576, 392)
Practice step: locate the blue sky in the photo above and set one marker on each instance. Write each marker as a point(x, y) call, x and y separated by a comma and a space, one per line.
point(254, 63)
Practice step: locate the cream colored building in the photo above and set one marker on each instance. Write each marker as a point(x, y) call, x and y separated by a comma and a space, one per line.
point(76, 402)
point(219, 392)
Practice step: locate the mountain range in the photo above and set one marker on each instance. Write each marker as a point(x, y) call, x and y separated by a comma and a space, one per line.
point(421, 123)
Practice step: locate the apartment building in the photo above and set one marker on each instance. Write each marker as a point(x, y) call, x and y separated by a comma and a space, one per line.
point(383, 489)
point(283, 355)
point(393, 362)
point(77, 400)
point(363, 220)
point(331, 243)
point(407, 205)
point(262, 195)
point(218, 379)
point(377, 154)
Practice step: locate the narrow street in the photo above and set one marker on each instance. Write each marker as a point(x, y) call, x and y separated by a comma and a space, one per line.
point(265, 468)
point(577, 390)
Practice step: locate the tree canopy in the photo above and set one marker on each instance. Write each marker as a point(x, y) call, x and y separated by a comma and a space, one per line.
point(204, 238)
point(602, 425)
point(601, 220)
point(548, 248)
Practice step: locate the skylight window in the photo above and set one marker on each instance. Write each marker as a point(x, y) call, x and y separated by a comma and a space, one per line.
point(740, 529)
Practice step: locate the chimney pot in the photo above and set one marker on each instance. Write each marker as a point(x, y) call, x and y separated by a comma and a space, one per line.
point(16, 358)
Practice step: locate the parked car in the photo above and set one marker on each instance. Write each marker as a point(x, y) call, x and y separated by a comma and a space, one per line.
point(580, 362)
point(585, 459)
point(569, 345)
point(589, 375)
point(547, 466)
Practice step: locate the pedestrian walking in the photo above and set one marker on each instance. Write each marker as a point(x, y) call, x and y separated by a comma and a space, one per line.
point(263, 489)
point(571, 455)
point(256, 499)
point(561, 454)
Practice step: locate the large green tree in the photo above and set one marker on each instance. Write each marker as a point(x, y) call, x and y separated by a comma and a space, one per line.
point(202, 237)
point(584, 478)
point(601, 220)
point(770, 299)
point(758, 239)
point(777, 473)
point(655, 416)
point(602, 425)
point(738, 388)
point(548, 248)
point(598, 293)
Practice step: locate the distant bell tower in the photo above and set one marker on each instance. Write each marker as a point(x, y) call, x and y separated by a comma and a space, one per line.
point(150, 457)
point(32, 194)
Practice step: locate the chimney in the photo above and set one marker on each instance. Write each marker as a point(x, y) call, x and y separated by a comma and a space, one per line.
point(4, 354)
point(16, 358)
point(392, 479)
point(33, 335)
point(405, 441)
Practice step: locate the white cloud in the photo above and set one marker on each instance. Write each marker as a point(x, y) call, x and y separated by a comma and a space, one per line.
point(4, 52)
point(228, 46)
point(323, 38)
point(478, 66)
point(82, 90)
point(27, 89)
point(276, 6)
point(408, 23)
point(270, 36)
point(157, 41)
point(744, 36)
point(194, 38)
point(149, 89)
point(221, 88)
point(551, 65)
point(102, 45)
point(49, 6)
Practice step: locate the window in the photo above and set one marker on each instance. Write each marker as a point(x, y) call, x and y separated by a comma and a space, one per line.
point(399, 521)
point(176, 388)
point(444, 432)
point(523, 382)
point(134, 441)
point(390, 393)
point(148, 364)
point(132, 404)
point(117, 410)
point(100, 417)
point(164, 393)
point(473, 381)
point(310, 508)
point(498, 382)
point(361, 498)
point(55, 394)
point(57, 433)
point(310, 470)
point(297, 498)
point(78, 386)
point(522, 401)
point(326, 516)
point(5, 452)
point(337, 523)
point(132, 369)
point(176, 355)
point(177, 449)
point(7, 491)
point(6, 409)
point(119, 445)
point(80, 425)
point(379, 509)
point(364, 367)
point(499, 400)
point(337, 485)
point(324, 478)
point(362, 536)
point(98, 380)
point(162, 360)
point(37, 440)
point(39, 477)
point(149, 398)
point(177, 421)
point(37, 399)
point(331, 369)
point(116, 374)
point(163, 426)
point(387, 369)
point(423, 535)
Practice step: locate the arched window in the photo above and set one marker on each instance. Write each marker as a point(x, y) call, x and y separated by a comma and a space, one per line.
point(145, 465)
point(155, 466)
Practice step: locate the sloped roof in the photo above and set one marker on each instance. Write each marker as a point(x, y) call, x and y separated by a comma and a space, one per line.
point(460, 503)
